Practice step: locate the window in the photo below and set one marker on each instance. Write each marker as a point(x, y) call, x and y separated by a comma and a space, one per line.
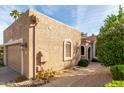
point(82, 50)
point(68, 49)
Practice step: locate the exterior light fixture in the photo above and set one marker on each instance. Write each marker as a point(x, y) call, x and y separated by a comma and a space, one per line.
point(35, 19)
point(23, 45)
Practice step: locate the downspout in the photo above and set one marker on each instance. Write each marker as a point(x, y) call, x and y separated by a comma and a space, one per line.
point(35, 20)
point(34, 64)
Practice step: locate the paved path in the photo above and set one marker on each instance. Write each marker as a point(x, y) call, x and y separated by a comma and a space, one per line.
point(94, 75)
point(7, 74)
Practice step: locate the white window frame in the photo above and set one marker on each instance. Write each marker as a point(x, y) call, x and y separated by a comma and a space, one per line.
point(65, 42)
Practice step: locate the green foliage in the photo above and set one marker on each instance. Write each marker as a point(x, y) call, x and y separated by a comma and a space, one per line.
point(115, 84)
point(45, 74)
point(117, 72)
point(1, 64)
point(83, 62)
point(15, 14)
point(82, 34)
point(1, 57)
point(110, 41)
point(95, 60)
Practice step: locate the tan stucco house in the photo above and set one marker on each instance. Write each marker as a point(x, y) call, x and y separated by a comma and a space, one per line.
point(35, 42)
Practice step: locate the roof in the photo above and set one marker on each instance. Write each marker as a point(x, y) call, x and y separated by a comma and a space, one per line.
point(88, 38)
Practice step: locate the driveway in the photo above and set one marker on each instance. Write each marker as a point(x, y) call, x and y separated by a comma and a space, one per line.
point(7, 74)
point(95, 75)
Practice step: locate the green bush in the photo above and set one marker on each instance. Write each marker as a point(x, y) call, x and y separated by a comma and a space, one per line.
point(83, 62)
point(117, 72)
point(1, 57)
point(115, 84)
point(95, 60)
point(1, 64)
point(110, 41)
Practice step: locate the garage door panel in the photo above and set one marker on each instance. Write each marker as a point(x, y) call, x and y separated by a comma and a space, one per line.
point(14, 57)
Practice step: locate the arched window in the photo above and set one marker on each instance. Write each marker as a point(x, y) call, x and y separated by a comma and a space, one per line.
point(82, 50)
point(68, 49)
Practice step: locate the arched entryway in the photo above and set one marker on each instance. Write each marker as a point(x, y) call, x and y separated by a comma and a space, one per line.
point(89, 50)
point(82, 50)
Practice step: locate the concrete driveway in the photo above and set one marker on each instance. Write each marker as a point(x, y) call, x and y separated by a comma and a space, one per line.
point(7, 74)
point(95, 75)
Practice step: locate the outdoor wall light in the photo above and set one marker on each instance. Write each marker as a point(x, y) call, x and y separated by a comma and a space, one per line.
point(23, 45)
point(35, 19)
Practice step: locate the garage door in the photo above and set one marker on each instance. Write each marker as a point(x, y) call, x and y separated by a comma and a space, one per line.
point(14, 57)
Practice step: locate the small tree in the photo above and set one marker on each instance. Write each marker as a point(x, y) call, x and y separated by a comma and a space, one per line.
point(15, 14)
point(110, 41)
point(82, 34)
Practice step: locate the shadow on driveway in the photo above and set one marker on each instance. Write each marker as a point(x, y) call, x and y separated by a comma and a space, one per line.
point(7, 74)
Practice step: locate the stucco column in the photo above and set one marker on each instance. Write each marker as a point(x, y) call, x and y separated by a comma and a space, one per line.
point(22, 61)
point(5, 55)
point(94, 49)
point(91, 52)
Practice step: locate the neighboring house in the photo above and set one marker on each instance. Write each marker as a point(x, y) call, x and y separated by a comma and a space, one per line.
point(35, 42)
point(88, 47)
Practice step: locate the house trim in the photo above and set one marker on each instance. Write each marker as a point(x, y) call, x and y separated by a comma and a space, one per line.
point(65, 42)
point(90, 52)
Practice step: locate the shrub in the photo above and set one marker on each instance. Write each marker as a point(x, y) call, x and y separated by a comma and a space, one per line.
point(117, 72)
point(95, 60)
point(115, 84)
point(45, 74)
point(83, 62)
point(20, 79)
point(1, 64)
point(1, 56)
point(110, 41)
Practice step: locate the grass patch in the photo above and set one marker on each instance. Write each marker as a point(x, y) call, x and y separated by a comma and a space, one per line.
point(115, 84)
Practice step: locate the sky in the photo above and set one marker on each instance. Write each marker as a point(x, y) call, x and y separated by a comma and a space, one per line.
point(85, 18)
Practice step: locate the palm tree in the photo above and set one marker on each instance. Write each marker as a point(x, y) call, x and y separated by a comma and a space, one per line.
point(15, 14)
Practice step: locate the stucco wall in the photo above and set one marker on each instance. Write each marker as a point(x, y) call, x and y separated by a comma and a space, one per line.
point(47, 37)
point(49, 40)
point(19, 29)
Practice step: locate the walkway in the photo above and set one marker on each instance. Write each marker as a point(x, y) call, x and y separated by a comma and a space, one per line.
point(94, 75)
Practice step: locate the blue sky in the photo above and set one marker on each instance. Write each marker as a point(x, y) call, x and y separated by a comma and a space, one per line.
point(86, 18)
